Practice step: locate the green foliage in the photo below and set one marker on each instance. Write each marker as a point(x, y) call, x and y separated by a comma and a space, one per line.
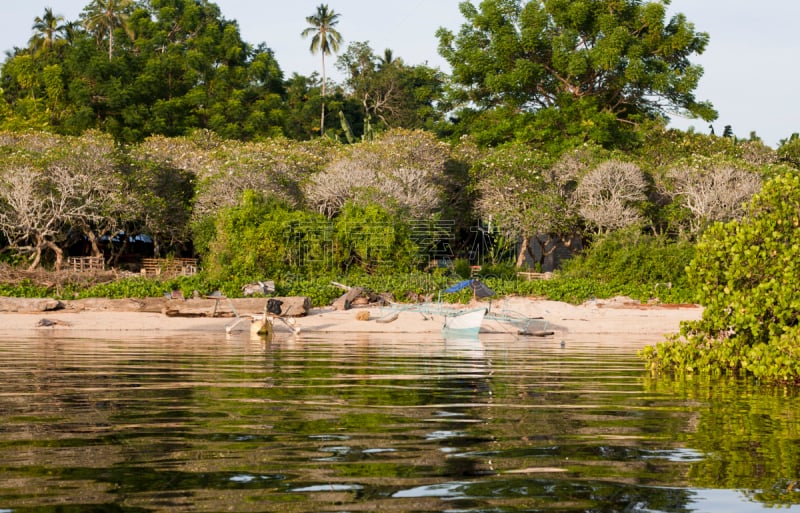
point(462, 268)
point(318, 288)
point(731, 417)
point(369, 238)
point(745, 275)
point(573, 70)
point(263, 238)
point(389, 91)
point(499, 270)
point(26, 288)
point(140, 287)
point(126, 288)
point(404, 285)
point(135, 68)
point(789, 150)
point(628, 258)
point(569, 290)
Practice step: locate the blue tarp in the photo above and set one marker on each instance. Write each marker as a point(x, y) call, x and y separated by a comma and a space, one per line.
point(477, 287)
point(459, 286)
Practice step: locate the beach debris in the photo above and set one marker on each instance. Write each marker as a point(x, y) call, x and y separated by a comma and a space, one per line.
point(274, 306)
point(345, 301)
point(362, 315)
point(49, 323)
point(291, 306)
point(386, 319)
point(536, 333)
point(358, 297)
point(413, 297)
point(259, 287)
point(175, 294)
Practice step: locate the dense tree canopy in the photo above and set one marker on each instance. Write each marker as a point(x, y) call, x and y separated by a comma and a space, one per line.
point(390, 93)
point(135, 68)
point(574, 69)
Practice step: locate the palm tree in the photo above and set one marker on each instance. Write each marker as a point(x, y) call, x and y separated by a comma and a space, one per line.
point(47, 30)
point(326, 40)
point(387, 59)
point(102, 17)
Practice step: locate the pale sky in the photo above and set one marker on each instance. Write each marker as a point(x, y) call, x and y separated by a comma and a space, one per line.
point(750, 65)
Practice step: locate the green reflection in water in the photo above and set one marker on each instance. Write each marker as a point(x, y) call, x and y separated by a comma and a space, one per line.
point(748, 433)
point(322, 425)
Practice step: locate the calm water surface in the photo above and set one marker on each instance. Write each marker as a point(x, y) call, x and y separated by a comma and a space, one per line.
point(379, 423)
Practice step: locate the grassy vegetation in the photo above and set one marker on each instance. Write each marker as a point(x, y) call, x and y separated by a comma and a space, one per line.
point(624, 263)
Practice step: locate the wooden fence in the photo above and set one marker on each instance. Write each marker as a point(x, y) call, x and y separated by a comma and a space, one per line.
point(169, 266)
point(85, 264)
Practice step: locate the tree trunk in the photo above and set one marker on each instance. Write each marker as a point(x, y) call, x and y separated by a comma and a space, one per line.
point(344, 301)
point(37, 257)
point(550, 241)
point(96, 252)
point(292, 306)
point(58, 252)
point(322, 116)
point(524, 250)
point(115, 255)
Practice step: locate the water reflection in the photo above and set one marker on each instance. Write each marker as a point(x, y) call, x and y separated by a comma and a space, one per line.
point(380, 423)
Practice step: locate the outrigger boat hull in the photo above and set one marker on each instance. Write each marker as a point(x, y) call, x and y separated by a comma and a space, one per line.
point(467, 322)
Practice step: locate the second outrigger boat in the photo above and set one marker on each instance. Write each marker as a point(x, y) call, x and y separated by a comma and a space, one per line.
point(468, 321)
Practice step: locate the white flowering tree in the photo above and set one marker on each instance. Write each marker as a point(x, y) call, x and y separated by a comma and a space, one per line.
point(610, 195)
point(402, 170)
point(527, 197)
point(225, 169)
point(51, 188)
point(716, 193)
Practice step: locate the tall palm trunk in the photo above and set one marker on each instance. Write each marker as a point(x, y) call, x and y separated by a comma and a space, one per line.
point(322, 115)
point(325, 40)
point(110, 43)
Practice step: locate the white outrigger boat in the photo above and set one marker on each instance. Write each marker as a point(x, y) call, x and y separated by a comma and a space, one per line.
point(456, 321)
point(468, 321)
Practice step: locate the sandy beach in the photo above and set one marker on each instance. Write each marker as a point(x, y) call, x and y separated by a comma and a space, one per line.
point(610, 318)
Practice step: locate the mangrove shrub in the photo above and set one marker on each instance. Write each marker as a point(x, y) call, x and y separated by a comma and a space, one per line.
point(746, 276)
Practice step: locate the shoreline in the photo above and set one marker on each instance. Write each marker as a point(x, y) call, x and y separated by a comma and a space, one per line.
point(609, 319)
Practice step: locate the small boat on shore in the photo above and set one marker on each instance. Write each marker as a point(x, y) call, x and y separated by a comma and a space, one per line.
point(464, 322)
point(458, 321)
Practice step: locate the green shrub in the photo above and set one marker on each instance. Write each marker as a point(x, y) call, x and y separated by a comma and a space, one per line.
point(745, 274)
point(635, 264)
point(370, 239)
point(502, 271)
point(126, 288)
point(26, 288)
point(261, 239)
point(462, 268)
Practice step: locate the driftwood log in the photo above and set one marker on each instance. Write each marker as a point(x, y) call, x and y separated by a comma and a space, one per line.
point(292, 306)
point(344, 301)
point(358, 296)
point(17, 304)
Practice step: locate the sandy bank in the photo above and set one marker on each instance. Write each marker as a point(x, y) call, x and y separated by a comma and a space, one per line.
point(92, 317)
